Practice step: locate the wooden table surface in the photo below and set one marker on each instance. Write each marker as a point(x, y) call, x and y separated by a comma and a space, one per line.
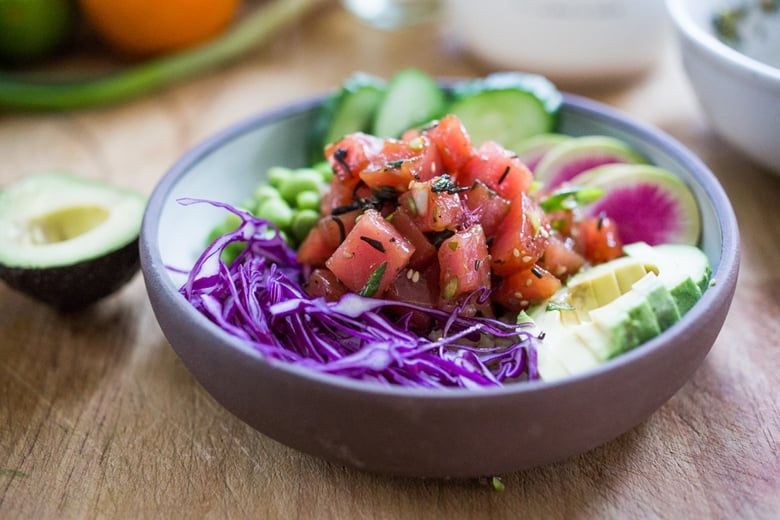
point(100, 419)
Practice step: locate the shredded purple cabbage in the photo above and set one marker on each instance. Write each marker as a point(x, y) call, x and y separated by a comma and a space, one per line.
point(259, 299)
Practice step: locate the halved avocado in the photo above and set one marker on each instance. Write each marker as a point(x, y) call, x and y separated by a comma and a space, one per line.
point(68, 241)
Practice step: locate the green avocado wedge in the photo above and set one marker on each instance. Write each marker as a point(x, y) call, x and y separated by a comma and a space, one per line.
point(617, 306)
point(68, 241)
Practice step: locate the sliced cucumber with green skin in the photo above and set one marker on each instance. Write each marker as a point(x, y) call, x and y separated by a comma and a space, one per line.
point(411, 99)
point(506, 107)
point(572, 157)
point(349, 110)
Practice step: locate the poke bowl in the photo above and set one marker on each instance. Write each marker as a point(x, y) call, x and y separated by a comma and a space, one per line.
point(415, 431)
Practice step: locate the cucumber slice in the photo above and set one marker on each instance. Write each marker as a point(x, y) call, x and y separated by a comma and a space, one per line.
point(411, 98)
point(507, 107)
point(349, 110)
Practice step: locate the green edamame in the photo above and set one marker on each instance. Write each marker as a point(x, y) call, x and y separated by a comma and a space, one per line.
point(300, 180)
point(230, 223)
point(325, 170)
point(308, 200)
point(290, 199)
point(277, 174)
point(276, 211)
point(303, 221)
point(264, 192)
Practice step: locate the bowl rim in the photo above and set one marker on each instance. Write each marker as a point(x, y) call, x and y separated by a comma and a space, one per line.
point(708, 42)
point(153, 267)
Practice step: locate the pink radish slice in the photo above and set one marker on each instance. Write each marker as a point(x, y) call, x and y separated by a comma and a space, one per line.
point(571, 158)
point(532, 150)
point(648, 204)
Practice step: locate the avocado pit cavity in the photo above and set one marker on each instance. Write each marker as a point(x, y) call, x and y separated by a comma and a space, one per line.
point(65, 224)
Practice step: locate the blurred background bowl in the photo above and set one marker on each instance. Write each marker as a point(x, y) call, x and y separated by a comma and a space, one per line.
point(569, 41)
point(737, 83)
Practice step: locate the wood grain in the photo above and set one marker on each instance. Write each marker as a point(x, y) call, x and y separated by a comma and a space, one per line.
point(99, 418)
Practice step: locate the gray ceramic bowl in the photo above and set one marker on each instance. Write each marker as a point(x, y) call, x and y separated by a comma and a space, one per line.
point(452, 433)
point(738, 85)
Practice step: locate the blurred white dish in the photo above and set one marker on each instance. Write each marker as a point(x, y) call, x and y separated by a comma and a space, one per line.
point(738, 87)
point(567, 40)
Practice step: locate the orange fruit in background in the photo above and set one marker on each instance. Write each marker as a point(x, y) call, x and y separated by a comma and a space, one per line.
point(142, 28)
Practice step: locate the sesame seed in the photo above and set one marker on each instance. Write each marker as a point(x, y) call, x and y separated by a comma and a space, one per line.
point(416, 277)
point(516, 253)
point(409, 273)
point(526, 259)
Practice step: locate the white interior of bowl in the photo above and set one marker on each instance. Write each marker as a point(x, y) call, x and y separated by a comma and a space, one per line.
point(759, 46)
point(230, 174)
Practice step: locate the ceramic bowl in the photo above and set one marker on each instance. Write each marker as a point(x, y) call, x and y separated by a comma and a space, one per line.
point(737, 83)
point(569, 41)
point(416, 432)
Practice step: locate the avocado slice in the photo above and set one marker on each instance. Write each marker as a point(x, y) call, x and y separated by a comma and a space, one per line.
point(616, 306)
point(659, 299)
point(628, 321)
point(683, 269)
point(567, 353)
point(68, 241)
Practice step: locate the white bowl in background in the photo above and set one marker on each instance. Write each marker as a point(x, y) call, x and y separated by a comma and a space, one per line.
point(569, 41)
point(738, 87)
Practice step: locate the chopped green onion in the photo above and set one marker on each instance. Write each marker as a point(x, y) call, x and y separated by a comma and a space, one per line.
point(559, 306)
point(372, 284)
point(571, 197)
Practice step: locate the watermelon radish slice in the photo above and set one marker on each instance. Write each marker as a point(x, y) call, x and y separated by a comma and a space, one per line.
point(579, 154)
point(648, 204)
point(533, 149)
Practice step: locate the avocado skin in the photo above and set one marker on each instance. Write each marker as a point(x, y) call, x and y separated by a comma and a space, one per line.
point(75, 287)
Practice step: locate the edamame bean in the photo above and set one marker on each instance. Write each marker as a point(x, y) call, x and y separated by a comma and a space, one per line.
point(303, 221)
point(277, 174)
point(264, 192)
point(232, 250)
point(276, 211)
point(325, 170)
point(303, 179)
point(232, 221)
point(308, 200)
